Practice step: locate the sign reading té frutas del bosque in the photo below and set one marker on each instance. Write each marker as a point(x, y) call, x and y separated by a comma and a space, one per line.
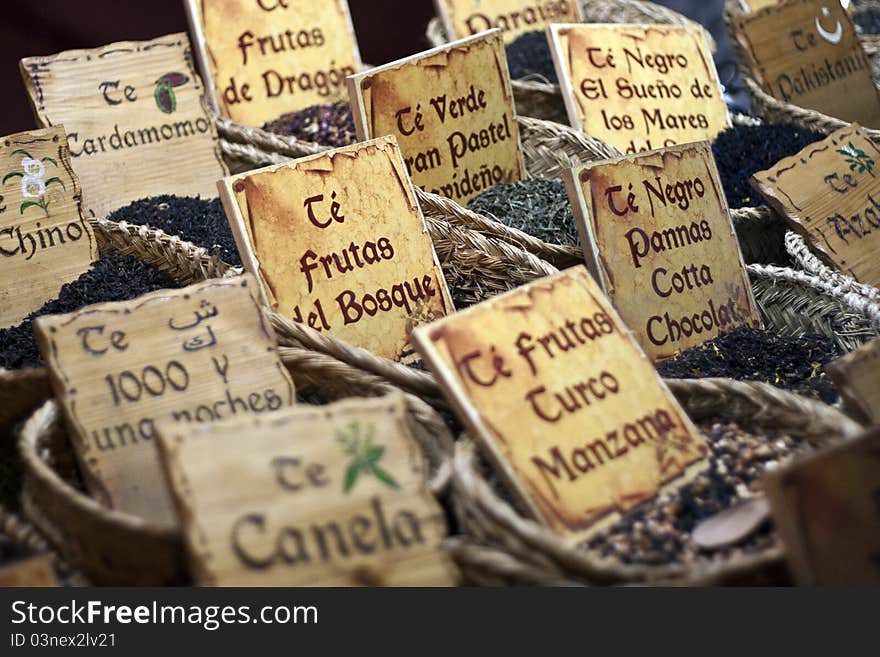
point(135, 117)
point(269, 57)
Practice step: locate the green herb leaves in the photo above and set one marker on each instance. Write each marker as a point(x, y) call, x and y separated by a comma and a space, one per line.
point(365, 456)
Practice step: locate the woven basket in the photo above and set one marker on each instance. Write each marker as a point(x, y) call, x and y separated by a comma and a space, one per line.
point(119, 549)
point(500, 546)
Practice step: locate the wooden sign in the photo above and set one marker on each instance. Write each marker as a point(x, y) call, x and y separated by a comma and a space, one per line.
point(827, 511)
point(265, 58)
point(451, 109)
point(321, 496)
point(45, 240)
point(199, 354)
point(339, 242)
point(806, 52)
point(32, 572)
point(135, 118)
point(658, 238)
point(857, 377)
point(464, 18)
point(639, 87)
point(830, 193)
point(563, 401)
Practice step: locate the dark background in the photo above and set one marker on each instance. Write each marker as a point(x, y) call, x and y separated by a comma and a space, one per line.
point(386, 30)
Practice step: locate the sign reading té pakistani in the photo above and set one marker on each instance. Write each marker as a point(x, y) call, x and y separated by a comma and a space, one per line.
point(269, 57)
point(332, 495)
point(339, 243)
point(639, 87)
point(571, 412)
point(199, 354)
point(657, 236)
point(45, 240)
point(806, 52)
point(135, 118)
point(451, 110)
point(830, 193)
point(464, 18)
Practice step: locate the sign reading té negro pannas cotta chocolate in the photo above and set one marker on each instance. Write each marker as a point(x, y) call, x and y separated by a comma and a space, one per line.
point(331, 495)
point(135, 118)
point(464, 18)
point(657, 236)
point(269, 57)
point(451, 110)
point(45, 240)
point(571, 412)
point(199, 354)
point(339, 243)
point(639, 87)
point(806, 52)
point(830, 193)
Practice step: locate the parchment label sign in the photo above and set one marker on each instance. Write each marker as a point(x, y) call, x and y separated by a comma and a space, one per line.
point(659, 239)
point(857, 377)
point(45, 240)
point(830, 193)
point(339, 243)
point(569, 409)
point(269, 57)
point(322, 496)
point(199, 354)
point(639, 87)
point(451, 109)
point(826, 509)
point(806, 52)
point(135, 118)
point(464, 18)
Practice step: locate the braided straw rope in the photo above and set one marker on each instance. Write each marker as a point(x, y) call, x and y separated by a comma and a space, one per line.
point(504, 547)
point(803, 256)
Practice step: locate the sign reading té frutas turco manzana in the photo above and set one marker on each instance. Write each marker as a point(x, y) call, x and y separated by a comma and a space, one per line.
point(135, 117)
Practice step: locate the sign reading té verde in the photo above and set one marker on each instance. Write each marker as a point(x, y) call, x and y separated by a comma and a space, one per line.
point(464, 18)
point(199, 354)
point(339, 243)
point(269, 57)
point(830, 193)
point(570, 411)
point(658, 237)
point(45, 240)
point(332, 495)
point(639, 87)
point(451, 110)
point(135, 118)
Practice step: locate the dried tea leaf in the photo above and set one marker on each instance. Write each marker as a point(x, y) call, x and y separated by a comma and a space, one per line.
point(732, 525)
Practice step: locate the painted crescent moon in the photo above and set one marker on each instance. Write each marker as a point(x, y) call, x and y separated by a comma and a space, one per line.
point(831, 37)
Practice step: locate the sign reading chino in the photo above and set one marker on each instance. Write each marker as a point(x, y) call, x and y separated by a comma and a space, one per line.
point(322, 496)
point(199, 354)
point(339, 243)
point(135, 119)
point(658, 237)
point(451, 110)
point(464, 18)
point(806, 52)
point(269, 57)
point(639, 87)
point(549, 379)
point(45, 240)
point(830, 193)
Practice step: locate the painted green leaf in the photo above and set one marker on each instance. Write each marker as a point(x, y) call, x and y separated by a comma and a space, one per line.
point(165, 99)
point(12, 174)
point(49, 159)
point(374, 453)
point(27, 204)
point(351, 476)
point(383, 476)
point(21, 151)
point(56, 179)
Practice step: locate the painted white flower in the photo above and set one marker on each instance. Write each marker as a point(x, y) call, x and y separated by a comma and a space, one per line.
point(33, 168)
point(32, 187)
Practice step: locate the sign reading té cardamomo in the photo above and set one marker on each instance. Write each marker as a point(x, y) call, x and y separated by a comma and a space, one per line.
point(265, 58)
point(658, 237)
point(451, 109)
point(199, 354)
point(135, 117)
point(639, 87)
point(331, 495)
point(464, 18)
point(45, 240)
point(570, 411)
